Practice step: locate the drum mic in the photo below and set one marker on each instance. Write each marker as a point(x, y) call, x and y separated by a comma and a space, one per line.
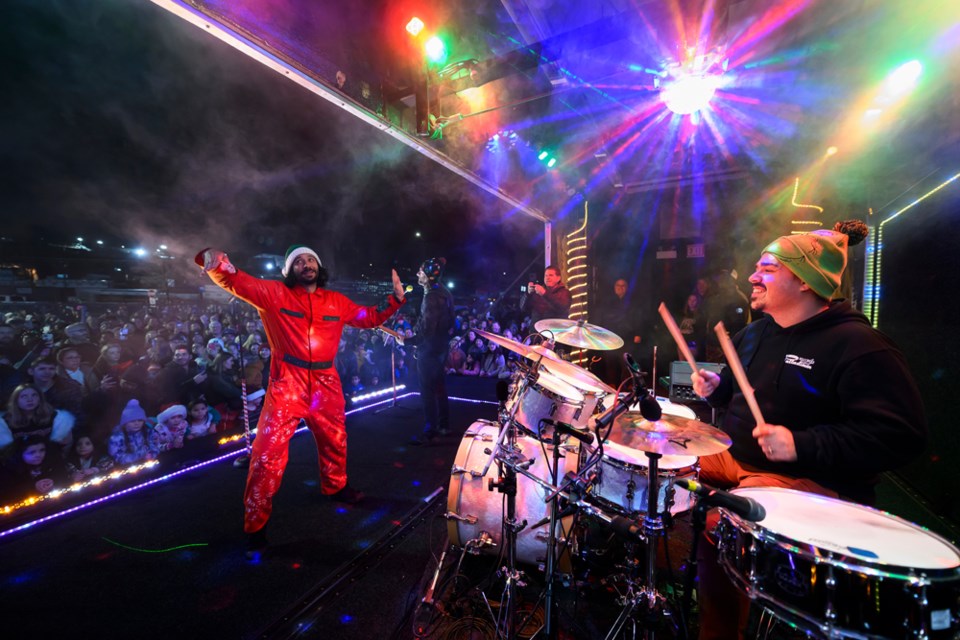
point(627, 528)
point(649, 407)
point(568, 430)
point(746, 508)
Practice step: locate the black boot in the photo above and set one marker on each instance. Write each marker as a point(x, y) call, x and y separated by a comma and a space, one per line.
point(256, 542)
point(347, 495)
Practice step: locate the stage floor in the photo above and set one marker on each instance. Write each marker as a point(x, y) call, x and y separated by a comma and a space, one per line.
point(168, 560)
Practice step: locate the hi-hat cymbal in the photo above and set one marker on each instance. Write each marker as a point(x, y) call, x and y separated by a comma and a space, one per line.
point(568, 372)
point(577, 333)
point(670, 435)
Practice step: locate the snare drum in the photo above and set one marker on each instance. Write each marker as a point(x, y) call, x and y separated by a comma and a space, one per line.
point(622, 479)
point(473, 510)
point(841, 569)
point(549, 399)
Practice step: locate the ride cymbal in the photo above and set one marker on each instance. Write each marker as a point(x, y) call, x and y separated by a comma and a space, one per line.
point(577, 333)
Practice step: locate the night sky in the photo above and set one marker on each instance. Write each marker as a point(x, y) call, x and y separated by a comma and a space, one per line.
point(124, 123)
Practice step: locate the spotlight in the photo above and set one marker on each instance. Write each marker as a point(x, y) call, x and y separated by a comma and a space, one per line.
point(415, 26)
point(689, 93)
point(903, 79)
point(436, 49)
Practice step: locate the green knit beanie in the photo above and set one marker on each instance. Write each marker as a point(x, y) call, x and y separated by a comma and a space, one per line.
point(818, 258)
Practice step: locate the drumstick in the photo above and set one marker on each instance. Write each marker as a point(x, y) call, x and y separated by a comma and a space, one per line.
point(677, 336)
point(734, 361)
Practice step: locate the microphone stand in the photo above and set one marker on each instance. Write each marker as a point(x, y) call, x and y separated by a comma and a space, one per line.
point(699, 525)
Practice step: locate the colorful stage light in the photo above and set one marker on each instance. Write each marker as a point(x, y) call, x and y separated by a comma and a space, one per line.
point(415, 26)
point(436, 49)
point(689, 93)
point(903, 79)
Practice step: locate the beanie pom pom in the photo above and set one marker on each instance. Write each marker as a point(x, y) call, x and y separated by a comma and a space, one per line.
point(855, 230)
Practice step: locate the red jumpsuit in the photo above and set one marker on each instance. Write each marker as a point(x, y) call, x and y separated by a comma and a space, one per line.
point(303, 330)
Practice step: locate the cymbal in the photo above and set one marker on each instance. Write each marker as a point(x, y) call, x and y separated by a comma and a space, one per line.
point(577, 333)
point(670, 435)
point(568, 372)
point(506, 343)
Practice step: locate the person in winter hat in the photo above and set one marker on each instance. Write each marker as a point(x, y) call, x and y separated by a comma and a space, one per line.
point(303, 321)
point(839, 404)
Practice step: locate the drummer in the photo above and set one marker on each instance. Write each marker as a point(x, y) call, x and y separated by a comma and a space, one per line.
point(839, 403)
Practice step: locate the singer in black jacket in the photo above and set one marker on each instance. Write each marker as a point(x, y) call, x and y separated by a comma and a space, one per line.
point(431, 337)
point(838, 401)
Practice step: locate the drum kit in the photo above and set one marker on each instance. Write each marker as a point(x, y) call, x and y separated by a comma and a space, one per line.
point(566, 443)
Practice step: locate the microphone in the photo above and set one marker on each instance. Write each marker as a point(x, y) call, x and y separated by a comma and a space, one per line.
point(746, 508)
point(565, 429)
point(626, 528)
point(649, 407)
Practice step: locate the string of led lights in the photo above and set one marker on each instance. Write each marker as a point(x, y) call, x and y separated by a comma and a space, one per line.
point(577, 272)
point(801, 223)
point(153, 481)
point(874, 284)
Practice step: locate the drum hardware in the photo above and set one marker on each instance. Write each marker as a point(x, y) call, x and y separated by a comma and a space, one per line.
point(656, 435)
point(450, 515)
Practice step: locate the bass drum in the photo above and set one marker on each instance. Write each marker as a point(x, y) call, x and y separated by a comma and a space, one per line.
point(473, 510)
point(840, 569)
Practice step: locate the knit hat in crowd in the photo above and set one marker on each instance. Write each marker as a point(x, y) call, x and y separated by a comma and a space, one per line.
point(818, 258)
point(133, 411)
point(172, 410)
point(433, 267)
point(292, 253)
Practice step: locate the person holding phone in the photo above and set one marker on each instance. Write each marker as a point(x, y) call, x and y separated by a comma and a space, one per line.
point(550, 299)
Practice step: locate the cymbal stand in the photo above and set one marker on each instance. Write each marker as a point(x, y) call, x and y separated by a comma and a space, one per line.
point(507, 485)
point(652, 530)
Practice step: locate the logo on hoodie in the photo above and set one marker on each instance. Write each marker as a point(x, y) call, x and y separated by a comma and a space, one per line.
point(797, 361)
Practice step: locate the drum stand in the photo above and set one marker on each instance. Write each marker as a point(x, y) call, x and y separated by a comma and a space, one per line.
point(507, 485)
point(647, 598)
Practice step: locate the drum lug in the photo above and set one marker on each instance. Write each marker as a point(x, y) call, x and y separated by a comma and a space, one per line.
point(831, 588)
point(450, 515)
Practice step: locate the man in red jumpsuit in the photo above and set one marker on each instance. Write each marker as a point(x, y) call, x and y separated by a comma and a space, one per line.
point(303, 322)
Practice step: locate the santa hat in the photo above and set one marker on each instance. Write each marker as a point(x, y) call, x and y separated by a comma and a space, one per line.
point(818, 258)
point(292, 253)
point(172, 410)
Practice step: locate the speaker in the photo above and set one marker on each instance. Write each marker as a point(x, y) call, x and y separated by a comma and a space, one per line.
point(681, 386)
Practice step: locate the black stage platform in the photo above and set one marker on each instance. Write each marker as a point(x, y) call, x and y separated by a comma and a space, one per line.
point(168, 561)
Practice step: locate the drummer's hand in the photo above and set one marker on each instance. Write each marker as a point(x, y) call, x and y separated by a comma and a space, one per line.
point(776, 441)
point(397, 285)
point(704, 382)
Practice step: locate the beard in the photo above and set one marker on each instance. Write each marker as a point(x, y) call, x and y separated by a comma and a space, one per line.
point(307, 277)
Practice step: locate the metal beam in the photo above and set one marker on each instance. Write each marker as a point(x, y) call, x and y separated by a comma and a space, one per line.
point(236, 40)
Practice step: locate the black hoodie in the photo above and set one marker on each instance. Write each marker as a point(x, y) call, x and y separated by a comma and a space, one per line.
point(843, 389)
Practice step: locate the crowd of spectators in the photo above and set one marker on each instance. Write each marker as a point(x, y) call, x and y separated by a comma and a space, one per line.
point(100, 390)
point(83, 393)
